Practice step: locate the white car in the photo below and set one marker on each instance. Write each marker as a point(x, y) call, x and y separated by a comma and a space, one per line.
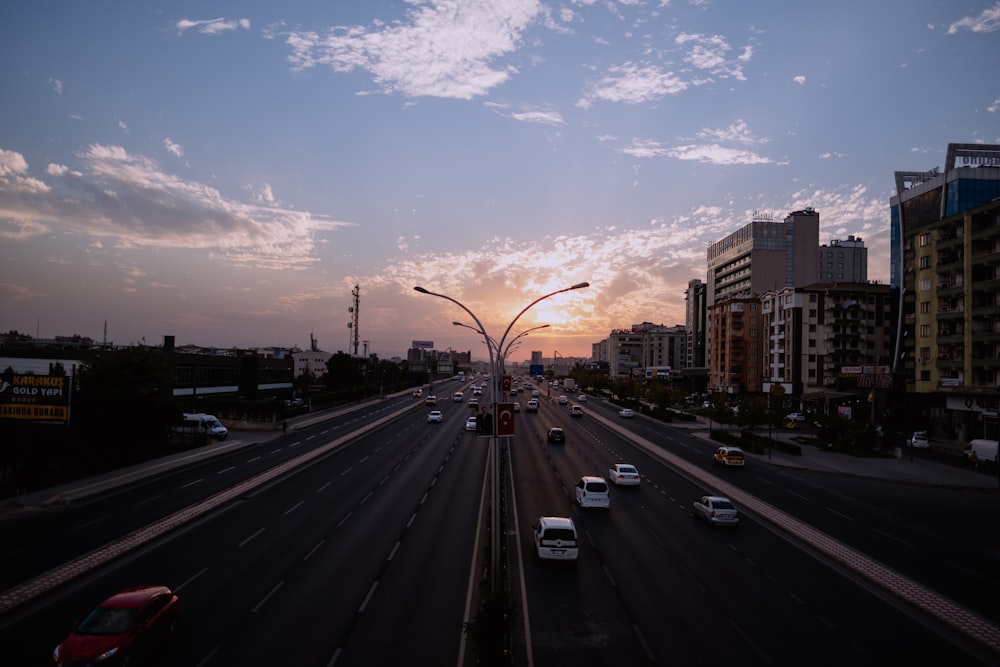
point(626, 413)
point(434, 417)
point(716, 510)
point(592, 492)
point(532, 406)
point(795, 417)
point(575, 411)
point(582, 398)
point(919, 440)
point(517, 406)
point(624, 474)
point(563, 400)
point(471, 424)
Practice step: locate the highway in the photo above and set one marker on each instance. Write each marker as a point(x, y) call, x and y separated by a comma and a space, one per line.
point(367, 555)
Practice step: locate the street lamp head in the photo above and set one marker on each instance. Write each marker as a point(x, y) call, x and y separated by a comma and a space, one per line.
point(421, 290)
point(580, 285)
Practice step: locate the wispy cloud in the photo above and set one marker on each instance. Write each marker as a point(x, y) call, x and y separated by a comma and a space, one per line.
point(987, 21)
point(708, 148)
point(212, 26)
point(173, 148)
point(442, 49)
point(632, 83)
point(128, 198)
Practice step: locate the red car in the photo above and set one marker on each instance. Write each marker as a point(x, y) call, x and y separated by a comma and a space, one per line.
point(130, 627)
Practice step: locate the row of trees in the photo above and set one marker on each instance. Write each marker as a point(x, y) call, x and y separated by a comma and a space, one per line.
point(123, 412)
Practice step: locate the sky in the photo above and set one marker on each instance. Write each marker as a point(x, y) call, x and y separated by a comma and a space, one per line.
point(226, 173)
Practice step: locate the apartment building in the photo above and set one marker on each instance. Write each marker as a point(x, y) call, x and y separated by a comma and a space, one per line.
point(946, 252)
point(735, 353)
point(843, 261)
point(827, 341)
point(645, 346)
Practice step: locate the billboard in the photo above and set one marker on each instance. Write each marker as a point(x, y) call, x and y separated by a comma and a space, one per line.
point(422, 345)
point(36, 398)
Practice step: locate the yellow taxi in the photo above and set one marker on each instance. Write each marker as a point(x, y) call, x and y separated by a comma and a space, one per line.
point(729, 456)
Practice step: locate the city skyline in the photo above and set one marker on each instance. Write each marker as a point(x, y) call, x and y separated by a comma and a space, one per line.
point(229, 177)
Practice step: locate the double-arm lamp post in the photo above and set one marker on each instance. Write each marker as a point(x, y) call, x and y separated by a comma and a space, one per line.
point(497, 350)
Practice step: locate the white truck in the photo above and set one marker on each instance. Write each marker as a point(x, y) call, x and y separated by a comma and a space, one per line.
point(985, 451)
point(569, 384)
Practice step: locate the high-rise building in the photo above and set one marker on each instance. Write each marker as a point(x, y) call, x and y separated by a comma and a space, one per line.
point(695, 305)
point(945, 233)
point(764, 255)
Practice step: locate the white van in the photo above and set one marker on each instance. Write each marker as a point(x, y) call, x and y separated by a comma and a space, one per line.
point(985, 450)
point(592, 491)
point(198, 423)
point(555, 538)
point(457, 397)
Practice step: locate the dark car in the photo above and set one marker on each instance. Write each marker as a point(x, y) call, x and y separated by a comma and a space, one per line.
point(130, 627)
point(556, 435)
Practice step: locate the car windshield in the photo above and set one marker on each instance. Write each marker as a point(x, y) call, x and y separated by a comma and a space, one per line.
point(597, 487)
point(628, 470)
point(107, 621)
point(722, 505)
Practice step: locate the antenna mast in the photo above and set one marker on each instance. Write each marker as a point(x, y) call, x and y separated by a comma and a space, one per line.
point(356, 293)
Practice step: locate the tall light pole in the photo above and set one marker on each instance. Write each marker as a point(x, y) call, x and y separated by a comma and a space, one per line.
point(496, 364)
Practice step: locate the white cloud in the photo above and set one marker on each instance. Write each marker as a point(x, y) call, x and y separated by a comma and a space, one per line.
point(709, 53)
point(987, 21)
point(128, 198)
point(173, 148)
point(443, 48)
point(212, 26)
point(633, 84)
point(57, 86)
point(800, 79)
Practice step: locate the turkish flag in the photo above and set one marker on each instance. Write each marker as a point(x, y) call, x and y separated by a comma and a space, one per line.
point(505, 418)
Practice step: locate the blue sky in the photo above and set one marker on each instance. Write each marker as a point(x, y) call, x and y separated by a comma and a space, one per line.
point(227, 172)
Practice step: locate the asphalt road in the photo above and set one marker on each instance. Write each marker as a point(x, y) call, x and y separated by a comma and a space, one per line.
point(367, 555)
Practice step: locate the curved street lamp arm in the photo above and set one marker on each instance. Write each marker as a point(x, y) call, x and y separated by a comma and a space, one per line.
point(471, 314)
point(528, 307)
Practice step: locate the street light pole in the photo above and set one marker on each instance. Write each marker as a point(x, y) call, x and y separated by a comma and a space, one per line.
point(496, 364)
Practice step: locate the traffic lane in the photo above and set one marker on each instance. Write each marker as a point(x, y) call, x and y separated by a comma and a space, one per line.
point(774, 602)
point(416, 613)
point(822, 583)
point(227, 565)
point(572, 613)
point(944, 554)
point(945, 548)
point(36, 542)
point(319, 603)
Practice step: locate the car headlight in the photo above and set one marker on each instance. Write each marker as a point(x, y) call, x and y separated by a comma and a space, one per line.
point(107, 655)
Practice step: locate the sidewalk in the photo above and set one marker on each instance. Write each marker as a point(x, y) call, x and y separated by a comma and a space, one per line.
point(918, 470)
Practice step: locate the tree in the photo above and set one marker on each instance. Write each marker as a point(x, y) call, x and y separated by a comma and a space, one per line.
point(123, 404)
point(343, 372)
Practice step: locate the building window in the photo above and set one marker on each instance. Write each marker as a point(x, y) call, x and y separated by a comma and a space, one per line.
point(925, 330)
point(925, 239)
point(925, 307)
point(925, 284)
point(925, 262)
